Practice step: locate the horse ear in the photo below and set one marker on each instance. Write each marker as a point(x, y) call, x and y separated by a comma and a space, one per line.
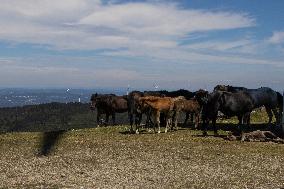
point(96, 95)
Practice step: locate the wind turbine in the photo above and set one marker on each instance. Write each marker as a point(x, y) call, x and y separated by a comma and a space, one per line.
point(67, 94)
point(156, 86)
point(128, 89)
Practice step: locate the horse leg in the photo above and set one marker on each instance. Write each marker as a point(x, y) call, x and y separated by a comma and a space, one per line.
point(149, 122)
point(269, 113)
point(167, 122)
point(107, 118)
point(176, 120)
point(98, 118)
point(138, 118)
point(158, 122)
point(244, 119)
point(130, 116)
point(276, 115)
point(186, 119)
point(113, 118)
point(191, 116)
point(204, 126)
point(247, 120)
point(214, 126)
point(196, 119)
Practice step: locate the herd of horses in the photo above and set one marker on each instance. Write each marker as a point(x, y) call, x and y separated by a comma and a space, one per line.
point(164, 107)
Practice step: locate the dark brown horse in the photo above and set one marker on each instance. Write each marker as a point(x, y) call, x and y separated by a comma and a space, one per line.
point(108, 104)
point(190, 106)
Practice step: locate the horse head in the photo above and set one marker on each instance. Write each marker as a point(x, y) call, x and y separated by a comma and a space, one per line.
point(221, 88)
point(202, 96)
point(93, 101)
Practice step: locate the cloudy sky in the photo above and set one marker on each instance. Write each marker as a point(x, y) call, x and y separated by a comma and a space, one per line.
point(115, 43)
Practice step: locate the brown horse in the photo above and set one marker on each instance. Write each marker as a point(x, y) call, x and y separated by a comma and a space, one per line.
point(108, 104)
point(156, 106)
point(190, 106)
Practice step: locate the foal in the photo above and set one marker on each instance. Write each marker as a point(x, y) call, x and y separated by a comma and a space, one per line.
point(156, 106)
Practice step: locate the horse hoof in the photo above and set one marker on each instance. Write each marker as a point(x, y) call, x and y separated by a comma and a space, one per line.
point(205, 134)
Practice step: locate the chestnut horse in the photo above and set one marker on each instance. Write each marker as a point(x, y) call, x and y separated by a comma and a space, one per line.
point(156, 106)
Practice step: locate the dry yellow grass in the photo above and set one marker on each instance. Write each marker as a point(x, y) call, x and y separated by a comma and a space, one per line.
point(108, 158)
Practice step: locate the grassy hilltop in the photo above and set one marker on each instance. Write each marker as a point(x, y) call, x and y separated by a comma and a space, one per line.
point(108, 157)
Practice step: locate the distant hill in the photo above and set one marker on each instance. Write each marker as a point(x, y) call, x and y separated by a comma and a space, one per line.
point(20, 97)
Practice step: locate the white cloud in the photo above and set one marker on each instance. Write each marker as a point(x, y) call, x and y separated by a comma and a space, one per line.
point(277, 37)
point(219, 45)
point(89, 24)
point(149, 30)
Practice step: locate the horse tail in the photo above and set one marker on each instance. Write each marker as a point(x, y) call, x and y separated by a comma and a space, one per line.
point(280, 101)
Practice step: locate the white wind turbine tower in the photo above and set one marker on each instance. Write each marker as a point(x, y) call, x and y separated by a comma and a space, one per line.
point(67, 94)
point(128, 89)
point(156, 86)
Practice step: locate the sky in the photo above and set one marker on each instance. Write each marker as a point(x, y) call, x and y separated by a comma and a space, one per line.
point(188, 44)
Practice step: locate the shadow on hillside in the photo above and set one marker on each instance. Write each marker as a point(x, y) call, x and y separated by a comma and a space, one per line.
point(49, 141)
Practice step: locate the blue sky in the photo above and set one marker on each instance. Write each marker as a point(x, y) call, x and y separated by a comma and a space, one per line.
point(188, 44)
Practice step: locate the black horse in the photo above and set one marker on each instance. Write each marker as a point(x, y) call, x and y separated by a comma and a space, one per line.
point(181, 92)
point(238, 104)
point(108, 104)
point(264, 96)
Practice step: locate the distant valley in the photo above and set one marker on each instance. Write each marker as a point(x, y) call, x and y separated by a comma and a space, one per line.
point(20, 97)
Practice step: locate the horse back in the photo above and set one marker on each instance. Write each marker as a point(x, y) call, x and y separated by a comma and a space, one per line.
point(264, 96)
point(236, 103)
point(158, 103)
point(119, 104)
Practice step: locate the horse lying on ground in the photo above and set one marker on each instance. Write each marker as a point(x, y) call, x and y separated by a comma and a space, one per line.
point(263, 96)
point(257, 136)
point(156, 106)
point(238, 104)
point(108, 104)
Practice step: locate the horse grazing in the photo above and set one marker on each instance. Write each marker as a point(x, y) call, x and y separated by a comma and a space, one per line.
point(263, 96)
point(156, 106)
point(190, 106)
point(108, 104)
point(238, 104)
